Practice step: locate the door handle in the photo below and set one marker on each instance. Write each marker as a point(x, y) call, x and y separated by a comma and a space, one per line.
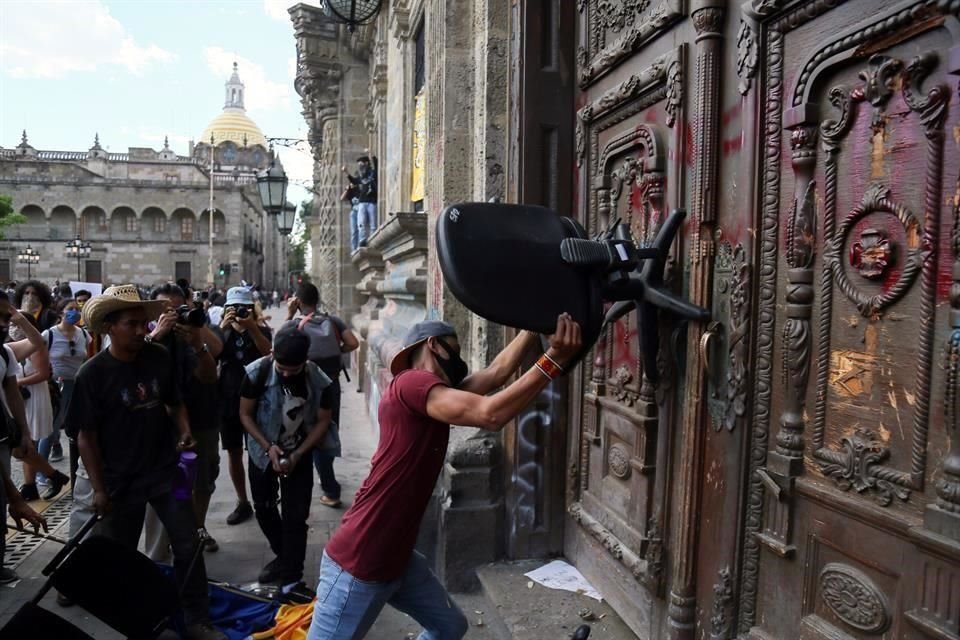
point(712, 330)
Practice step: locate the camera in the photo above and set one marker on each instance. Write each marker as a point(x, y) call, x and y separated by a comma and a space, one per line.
point(241, 312)
point(192, 317)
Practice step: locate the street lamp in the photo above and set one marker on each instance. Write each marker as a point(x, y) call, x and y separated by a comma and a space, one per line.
point(272, 185)
point(352, 13)
point(29, 257)
point(286, 218)
point(78, 249)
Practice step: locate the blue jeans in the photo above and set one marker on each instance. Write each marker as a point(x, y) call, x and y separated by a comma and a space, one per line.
point(363, 222)
point(346, 607)
point(354, 229)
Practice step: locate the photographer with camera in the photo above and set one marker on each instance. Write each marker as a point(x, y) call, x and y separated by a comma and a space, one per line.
point(244, 341)
point(182, 329)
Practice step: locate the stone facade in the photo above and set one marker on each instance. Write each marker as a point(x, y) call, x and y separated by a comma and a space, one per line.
point(145, 213)
point(358, 92)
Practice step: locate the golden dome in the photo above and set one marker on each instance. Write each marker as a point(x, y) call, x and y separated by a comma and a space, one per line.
point(235, 126)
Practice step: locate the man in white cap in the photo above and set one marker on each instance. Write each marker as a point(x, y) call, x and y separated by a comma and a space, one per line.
point(370, 560)
point(126, 408)
point(244, 341)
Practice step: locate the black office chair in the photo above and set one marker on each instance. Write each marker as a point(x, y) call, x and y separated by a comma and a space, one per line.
point(523, 265)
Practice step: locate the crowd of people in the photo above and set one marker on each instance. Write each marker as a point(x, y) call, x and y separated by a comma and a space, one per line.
point(146, 384)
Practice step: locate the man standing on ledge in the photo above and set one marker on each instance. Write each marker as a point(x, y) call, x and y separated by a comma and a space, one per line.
point(370, 560)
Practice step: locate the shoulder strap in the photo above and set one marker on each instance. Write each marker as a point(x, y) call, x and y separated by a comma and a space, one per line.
point(49, 334)
point(303, 322)
point(260, 383)
point(4, 355)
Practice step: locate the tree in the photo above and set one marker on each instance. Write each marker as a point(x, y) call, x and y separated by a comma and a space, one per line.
point(300, 239)
point(7, 215)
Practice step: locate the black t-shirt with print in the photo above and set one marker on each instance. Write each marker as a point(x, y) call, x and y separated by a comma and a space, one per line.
point(294, 399)
point(125, 404)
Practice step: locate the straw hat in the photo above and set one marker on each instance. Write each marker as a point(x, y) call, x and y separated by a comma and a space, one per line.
point(117, 298)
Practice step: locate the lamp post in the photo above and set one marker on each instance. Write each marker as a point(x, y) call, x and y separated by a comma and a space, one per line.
point(210, 234)
point(78, 249)
point(29, 257)
point(285, 226)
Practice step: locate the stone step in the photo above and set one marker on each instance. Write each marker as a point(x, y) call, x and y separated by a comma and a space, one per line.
point(524, 610)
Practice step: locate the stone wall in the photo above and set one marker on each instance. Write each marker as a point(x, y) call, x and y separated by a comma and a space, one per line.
point(62, 198)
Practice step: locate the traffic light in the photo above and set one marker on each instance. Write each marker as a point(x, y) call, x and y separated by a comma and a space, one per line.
point(222, 269)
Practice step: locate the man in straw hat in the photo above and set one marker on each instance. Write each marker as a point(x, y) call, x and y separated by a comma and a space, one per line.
point(370, 560)
point(130, 421)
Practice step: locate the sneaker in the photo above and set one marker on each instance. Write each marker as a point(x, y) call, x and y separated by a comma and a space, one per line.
point(56, 453)
point(327, 501)
point(242, 513)
point(29, 492)
point(8, 576)
point(270, 572)
point(56, 483)
point(63, 600)
point(205, 631)
point(297, 593)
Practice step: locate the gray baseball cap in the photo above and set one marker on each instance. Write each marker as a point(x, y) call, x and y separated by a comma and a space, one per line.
point(418, 334)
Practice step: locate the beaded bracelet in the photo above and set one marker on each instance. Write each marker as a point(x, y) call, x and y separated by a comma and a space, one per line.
point(549, 367)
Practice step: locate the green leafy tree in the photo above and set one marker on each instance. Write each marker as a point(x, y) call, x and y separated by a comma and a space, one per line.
point(300, 239)
point(7, 215)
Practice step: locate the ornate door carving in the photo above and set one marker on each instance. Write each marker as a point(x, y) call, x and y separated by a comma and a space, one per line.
point(846, 533)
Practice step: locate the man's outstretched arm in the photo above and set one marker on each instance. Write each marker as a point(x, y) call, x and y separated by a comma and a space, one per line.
point(496, 375)
point(455, 406)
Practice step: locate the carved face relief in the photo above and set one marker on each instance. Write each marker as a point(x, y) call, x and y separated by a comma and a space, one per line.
point(872, 254)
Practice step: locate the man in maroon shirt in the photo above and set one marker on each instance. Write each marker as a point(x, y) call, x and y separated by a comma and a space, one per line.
point(370, 561)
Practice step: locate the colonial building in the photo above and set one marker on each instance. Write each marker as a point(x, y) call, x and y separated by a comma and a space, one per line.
point(146, 213)
point(792, 468)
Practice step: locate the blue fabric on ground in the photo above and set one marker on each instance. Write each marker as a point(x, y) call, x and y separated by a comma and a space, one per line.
point(236, 615)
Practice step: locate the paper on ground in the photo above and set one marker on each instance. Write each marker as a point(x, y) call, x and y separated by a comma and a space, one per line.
point(560, 575)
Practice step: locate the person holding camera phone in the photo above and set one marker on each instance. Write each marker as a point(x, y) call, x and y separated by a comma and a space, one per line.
point(182, 329)
point(330, 338)
point(244, 340)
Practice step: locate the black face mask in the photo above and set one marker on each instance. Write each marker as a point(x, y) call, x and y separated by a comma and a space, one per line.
point(454, 366)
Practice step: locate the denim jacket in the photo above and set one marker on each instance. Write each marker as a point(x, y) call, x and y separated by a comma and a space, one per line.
point(271, 402)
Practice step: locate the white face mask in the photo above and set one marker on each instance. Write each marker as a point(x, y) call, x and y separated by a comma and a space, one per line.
point(16, 333)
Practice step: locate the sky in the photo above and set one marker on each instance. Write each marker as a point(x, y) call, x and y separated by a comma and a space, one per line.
point(134, 71)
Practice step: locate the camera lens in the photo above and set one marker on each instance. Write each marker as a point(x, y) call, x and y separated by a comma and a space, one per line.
point(242, 312)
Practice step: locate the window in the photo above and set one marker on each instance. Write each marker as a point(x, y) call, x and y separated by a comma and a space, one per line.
point(159, 224)
point(131, 224)
point(186, 228)
point(217, 226)
point(101, 220)
point(5, 270)
point(182, 271)
point(419, 62)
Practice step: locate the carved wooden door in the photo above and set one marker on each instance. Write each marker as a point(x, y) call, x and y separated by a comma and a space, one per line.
point(631, 157)
point(787, 471)
point(852, 522)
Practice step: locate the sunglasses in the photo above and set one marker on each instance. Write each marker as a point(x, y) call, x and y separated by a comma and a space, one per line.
point(73, 347)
